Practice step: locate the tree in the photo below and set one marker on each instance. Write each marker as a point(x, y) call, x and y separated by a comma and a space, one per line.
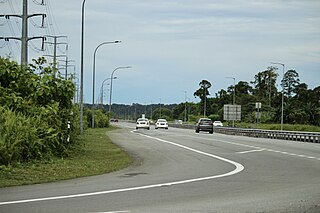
point(202, 93)
point(289, 82)
point(265, 84)
point(162, 113)
point(243, 88)
point(179, 112)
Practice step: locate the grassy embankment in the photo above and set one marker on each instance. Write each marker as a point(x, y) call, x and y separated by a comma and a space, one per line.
point(94, 155)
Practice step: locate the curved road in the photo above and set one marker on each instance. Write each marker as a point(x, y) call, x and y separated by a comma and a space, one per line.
point(177, 170)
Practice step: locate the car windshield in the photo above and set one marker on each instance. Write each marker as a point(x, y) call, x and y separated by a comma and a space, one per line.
point(205, 121)
point(142, 119)
point(162, 120)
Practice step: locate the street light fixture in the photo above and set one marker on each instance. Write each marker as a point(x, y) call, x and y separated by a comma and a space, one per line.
point(101, 89)
point(94, 74)
point(111, 85)
point(282, 99)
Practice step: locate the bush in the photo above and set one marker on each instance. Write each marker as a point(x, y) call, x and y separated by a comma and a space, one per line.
point(101, 119)
point(19, 137)
point(37, 117)
point(214, 117)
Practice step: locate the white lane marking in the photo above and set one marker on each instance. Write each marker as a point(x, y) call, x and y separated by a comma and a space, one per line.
point(239, 168)
point(258, 148)
point(249, 151)
point(113, 212)
point(237, 165)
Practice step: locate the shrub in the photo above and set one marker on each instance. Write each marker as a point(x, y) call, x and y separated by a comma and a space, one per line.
point(37, 117)
point(19, 137)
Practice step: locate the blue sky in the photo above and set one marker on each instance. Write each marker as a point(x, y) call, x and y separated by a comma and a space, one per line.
point(174, 44)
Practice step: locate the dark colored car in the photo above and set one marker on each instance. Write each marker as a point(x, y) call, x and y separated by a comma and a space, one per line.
point(204, 124)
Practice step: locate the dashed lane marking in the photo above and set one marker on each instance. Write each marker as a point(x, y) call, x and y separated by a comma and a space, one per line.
point(250, 151)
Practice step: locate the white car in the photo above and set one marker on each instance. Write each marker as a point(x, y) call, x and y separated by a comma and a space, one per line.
point(143, 123)
point(217, 123)
point(161, 123)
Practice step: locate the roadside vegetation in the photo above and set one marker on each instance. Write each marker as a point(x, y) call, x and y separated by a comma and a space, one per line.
point(39, 126)
point(94, 154)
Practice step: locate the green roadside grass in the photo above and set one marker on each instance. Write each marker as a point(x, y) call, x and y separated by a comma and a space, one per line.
point(95, 154)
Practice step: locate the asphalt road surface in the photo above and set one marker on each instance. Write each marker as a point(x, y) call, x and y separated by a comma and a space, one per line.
point(177, 170)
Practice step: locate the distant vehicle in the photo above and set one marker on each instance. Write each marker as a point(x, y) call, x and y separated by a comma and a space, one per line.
point(161, 123)
point(204, 124)
point(143, 123)
point(217, 123)
point(178, 122)
point(114, 120)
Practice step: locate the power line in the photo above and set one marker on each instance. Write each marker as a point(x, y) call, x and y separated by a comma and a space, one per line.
point(24, 35)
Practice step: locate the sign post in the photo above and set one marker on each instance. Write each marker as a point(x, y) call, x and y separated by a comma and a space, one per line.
point(232, 113)
point(258, 113)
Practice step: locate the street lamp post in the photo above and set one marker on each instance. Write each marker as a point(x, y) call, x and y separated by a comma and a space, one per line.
point(234, 89)
point(205, 102)
point(234, 94)
point(94, 74)
point(101, 89)
point(111, 85)
point(81, 67)
point(282, 98)
point(185, 106)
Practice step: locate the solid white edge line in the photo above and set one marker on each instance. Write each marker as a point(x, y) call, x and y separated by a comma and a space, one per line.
point(239, 168)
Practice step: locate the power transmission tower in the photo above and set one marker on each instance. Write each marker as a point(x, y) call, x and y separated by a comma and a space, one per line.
point(66, 65)
point(55, 44)
point(24, 36)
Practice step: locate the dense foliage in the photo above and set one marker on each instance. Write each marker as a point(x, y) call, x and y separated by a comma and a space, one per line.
point(37, 117)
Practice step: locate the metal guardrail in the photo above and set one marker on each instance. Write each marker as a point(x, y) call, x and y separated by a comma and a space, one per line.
point(312, 137)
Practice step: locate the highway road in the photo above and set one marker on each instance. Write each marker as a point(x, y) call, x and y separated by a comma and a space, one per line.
point(177, 170)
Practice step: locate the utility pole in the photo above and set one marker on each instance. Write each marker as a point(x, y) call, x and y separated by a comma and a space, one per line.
point(24, 36)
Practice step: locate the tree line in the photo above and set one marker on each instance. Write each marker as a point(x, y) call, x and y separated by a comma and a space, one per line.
point(301, 105)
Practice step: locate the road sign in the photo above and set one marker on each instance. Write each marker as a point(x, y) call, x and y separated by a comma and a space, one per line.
point(258, 105)
point(232, 112)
